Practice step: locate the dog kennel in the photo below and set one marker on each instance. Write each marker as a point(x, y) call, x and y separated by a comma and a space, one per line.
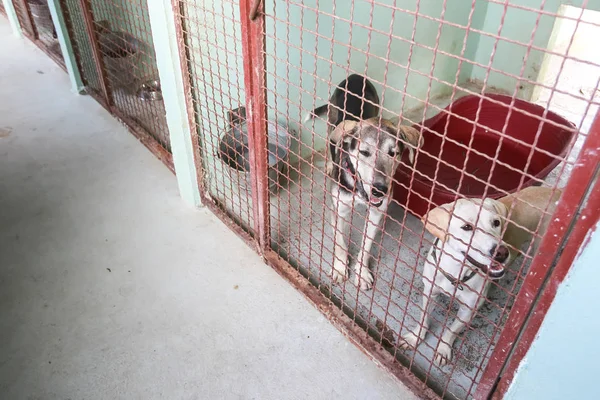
point(114, 50)
point(464, 74)
point(504, 94)
point(36, 23)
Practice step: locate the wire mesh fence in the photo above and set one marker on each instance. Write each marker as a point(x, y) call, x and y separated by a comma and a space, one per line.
point(114, 49)
point(215, 75)
point(47, 38)
point(36, 24)
point(472, 100)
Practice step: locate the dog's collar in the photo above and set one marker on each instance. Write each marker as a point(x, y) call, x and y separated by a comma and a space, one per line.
point(358, 185)
point(455, 282)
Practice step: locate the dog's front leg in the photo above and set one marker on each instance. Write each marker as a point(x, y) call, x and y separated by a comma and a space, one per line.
point(339, 222)
point(412, 338)
point(443, 353)
point(363, 276)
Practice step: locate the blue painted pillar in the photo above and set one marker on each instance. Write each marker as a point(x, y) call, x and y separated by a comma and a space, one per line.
point(66, 46)
point(162, 22)
point(12, 18)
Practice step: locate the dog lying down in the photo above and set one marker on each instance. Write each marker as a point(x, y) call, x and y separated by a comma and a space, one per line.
point(456, 269)
point(364, 153)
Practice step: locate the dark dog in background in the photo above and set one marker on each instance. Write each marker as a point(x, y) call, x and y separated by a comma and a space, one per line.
point(354, 99)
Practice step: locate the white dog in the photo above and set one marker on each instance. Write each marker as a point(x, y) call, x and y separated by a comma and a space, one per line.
point(475, 251)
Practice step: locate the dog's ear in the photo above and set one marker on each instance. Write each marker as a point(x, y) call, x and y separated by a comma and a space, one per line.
point(342, 131)
point(413, 137)
point(437, 220)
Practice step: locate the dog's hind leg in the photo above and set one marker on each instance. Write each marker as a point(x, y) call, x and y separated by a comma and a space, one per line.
point(339, 222)
point(363, 277)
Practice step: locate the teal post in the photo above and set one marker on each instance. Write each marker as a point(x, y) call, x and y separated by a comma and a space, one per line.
point(66, 46)
point(11, 14)
point(162, 22)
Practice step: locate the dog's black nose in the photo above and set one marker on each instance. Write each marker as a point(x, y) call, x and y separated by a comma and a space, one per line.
point(379, 189)
point(500, 253)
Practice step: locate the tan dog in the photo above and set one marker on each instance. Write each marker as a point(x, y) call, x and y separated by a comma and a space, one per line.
point(470, 250)
point(365, 156)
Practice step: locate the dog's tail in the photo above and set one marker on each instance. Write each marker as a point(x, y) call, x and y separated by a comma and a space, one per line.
point(317, 112)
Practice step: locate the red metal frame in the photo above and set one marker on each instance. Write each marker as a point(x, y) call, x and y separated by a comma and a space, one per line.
point(253, 44)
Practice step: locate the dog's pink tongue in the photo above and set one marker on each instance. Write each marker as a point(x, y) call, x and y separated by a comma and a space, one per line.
point(375, 200)
point(496, 267)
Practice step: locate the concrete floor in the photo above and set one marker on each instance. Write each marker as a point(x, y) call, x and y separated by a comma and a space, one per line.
point(110, 288)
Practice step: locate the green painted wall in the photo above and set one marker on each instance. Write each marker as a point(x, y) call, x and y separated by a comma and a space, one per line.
point(518, 25)
point(303, 61)
point(311, 47)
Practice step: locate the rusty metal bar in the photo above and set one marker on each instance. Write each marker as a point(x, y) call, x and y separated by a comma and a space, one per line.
point(253, 47)
point(96, 54)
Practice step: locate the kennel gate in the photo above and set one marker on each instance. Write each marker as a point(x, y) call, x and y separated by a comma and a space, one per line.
point(282, 59)
point(37, 25)
point(114, 51)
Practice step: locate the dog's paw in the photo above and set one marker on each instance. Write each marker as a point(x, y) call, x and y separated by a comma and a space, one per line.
point(338, 272)
point(409, 340)
point(443, 354)
point(363, 278)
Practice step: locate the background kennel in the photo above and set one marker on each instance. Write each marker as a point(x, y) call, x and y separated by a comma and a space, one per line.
point(114, 49)
point(111, 57)
point(36, 23)
point(282, 59)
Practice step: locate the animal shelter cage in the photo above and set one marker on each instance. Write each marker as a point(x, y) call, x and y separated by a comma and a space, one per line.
point(504, 95)
point(465, 75)
point(114, 50)
point(37, 25)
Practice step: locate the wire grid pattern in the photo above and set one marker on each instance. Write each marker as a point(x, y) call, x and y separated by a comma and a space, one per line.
point(2, 10)
point(127, 50)
point(82, 46)
point(47, 38)
point(215, 72)
point(421, 58)
point(311, 47)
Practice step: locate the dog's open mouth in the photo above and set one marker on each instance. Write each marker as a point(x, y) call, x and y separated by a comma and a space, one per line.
point(376, 201)
point(495, 270)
